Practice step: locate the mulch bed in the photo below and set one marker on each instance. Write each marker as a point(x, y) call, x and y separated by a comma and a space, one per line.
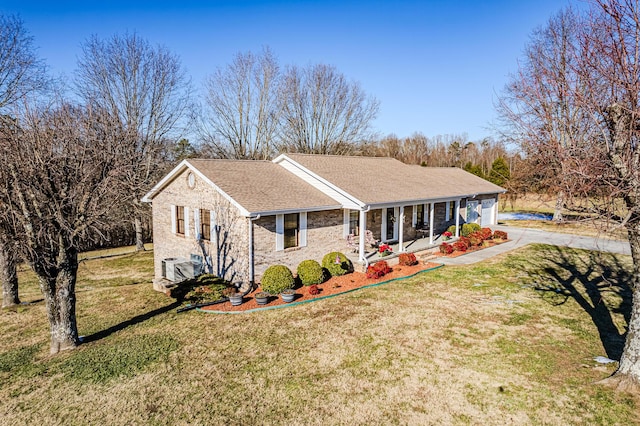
point(490, 243)
point(335, 285)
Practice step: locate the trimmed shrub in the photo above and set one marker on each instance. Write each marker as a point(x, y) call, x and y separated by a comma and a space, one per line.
point(310, 272)
point(486, 233)
point(468, 228)
point(452, 229)
point(446, 248)
point(343, 266)
point(465, 241)
point(407, 259)
point(476, 238)
point(459, 246)
point(378, 269)
point(276, 278)
point(499, 235)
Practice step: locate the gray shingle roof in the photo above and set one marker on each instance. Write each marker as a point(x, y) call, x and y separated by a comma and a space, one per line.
point(379, 180)
point(262, 186)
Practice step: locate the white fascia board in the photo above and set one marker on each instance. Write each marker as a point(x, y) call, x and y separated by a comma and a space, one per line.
point(357, 204)
point(184, 164)
point(288, 211)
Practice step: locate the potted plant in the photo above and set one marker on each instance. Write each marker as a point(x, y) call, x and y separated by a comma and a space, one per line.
point(384, 250)
point(288, 295)
point(446, 235)
point(262, 297)
point(235, 299)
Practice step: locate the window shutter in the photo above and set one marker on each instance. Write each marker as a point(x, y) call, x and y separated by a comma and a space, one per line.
point(302, 238)
point(279, 232)
point(196, 226)
point(345, 223)
point(186, 221)
point(213, 232)
point(414, 216)
point(173, 219)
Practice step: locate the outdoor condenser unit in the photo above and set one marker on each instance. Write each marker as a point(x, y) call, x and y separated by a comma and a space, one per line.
point(177, 269)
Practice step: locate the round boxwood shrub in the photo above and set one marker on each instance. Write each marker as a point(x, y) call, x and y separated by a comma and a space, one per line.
point(310, 272)
point(468, 228)
point(343, 266)
point(276, 278)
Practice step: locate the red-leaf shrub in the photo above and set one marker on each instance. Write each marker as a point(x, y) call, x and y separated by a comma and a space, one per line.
point(486, 233)
point(407, 259)
point(460, 246)
point(465, 241)
point(446, 248)
point(475, 238)
point(499, 235)
point(313, 289)
point(378, 269)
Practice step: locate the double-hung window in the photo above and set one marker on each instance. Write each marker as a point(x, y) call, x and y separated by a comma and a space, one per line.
point(205, 224)
point(180, 222)
point(291, 230)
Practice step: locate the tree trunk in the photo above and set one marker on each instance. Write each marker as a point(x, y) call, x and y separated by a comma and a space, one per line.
point(9, 277)
point(627, 377)
point(139, 234)
point(60, 297)
point(557, 213)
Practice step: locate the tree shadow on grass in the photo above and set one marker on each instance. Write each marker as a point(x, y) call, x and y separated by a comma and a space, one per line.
point(599, 282)
point(133, 321)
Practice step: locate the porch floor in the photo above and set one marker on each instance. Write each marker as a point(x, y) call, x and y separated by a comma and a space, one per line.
point(410, 246)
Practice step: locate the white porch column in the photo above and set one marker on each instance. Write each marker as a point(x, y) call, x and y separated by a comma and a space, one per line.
point(401, 230)
point(432, 210)
point(457, 218)
point(363, 231)
point(447, 214)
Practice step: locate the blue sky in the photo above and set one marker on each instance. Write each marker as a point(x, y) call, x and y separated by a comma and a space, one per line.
point(435, 66)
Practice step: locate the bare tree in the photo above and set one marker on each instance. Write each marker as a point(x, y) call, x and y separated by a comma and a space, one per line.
point(322, 112)
point(146, 90)
point(60, 171)
point(540, 102)
point(242, 110)
point(21, 73)
point(597, 95)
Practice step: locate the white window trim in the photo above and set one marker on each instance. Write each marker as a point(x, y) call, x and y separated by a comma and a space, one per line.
point(196, 224)
point(279, 232)
point(213, 233)
point(174, 218)
point(186, 221)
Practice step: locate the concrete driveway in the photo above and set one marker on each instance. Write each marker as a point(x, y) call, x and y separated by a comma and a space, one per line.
point(522, 236)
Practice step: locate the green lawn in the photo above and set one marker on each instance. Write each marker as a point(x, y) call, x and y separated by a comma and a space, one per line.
point(509, 341)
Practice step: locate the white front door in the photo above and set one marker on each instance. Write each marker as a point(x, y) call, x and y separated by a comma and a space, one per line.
point(486, 217)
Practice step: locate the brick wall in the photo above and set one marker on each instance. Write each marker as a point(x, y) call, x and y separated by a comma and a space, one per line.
point(324, 235)
point(229, 258)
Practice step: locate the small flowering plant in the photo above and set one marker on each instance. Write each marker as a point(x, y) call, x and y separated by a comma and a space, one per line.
point(446, 235)
point(384, 250)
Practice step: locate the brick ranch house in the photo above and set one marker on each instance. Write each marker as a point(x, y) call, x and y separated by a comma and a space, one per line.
point(235, 218)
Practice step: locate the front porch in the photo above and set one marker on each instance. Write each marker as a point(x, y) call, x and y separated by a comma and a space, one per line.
point(417, 246)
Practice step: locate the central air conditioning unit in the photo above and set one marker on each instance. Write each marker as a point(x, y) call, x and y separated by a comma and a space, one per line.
point(177, 269)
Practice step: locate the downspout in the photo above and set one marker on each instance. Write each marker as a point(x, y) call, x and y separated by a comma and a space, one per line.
point(251, 263)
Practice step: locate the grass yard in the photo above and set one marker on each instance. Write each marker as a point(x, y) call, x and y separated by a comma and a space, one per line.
point(573, 224)
point(509, 341)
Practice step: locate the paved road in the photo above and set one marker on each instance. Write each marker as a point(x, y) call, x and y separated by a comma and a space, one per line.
point(522, 236)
